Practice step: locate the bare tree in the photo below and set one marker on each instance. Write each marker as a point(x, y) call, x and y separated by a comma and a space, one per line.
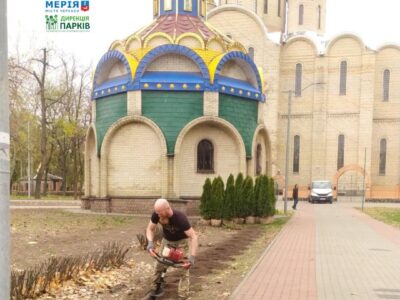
point(38, 67)
point(54, 92)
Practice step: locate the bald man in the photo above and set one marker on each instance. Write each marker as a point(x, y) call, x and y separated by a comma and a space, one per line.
point(177, 230)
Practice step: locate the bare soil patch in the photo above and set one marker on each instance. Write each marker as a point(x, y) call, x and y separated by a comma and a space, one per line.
point(226, 254)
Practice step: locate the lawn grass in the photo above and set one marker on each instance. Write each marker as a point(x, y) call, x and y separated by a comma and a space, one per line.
point(387, 215)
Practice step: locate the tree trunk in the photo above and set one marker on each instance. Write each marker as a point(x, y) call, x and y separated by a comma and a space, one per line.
point(75, 170)
point(43, 124)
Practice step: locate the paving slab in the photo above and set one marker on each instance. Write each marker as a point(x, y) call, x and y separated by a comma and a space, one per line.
point(328, 251)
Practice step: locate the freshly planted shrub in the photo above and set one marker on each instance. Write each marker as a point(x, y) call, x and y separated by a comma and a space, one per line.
point(217, 198)
point(271, 197)
point(263, 198)
point(248, 198)
point(257, 208)
point(205, 200)
point(238, 195)
point(229, 199)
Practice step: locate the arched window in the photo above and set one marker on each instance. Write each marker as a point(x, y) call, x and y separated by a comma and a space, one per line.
point(251, 52)
point(187, 6)
point(205, 156)
point(343, 78)
point(319, 16)
point(258, 159)
point(297, 89)
point(279, 8)
point(296, 154)
point(382, 157)
point(386, 82)
point(340, 153)
point(265, 6)
point(301, 14)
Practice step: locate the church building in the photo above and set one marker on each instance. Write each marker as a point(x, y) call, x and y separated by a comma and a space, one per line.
point(208, 89)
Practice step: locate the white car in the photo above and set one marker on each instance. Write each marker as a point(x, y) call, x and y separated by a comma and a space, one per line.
point(321, 191)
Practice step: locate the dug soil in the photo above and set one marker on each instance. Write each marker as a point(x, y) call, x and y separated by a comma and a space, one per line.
point(226, 254)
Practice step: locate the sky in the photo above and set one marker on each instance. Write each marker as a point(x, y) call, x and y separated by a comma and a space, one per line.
point(375, 21)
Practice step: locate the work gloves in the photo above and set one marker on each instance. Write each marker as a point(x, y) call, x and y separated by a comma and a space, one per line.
point(191, 259)
point(150, 246)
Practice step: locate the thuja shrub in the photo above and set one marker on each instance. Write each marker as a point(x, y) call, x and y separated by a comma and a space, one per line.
point(217, 198)
point(263, 196)
point(205, 200)
point(247, 198)
point(229, 199)
point(271, 197)
point(238, 195)
point(257, 208)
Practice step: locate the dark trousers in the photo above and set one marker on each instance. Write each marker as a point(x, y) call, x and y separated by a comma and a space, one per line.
point(295, 202)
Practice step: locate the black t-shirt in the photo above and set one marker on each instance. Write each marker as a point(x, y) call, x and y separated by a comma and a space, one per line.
point(178, 223)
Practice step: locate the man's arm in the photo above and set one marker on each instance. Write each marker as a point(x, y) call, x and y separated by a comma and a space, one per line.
point(191, 234)
point(151, 227)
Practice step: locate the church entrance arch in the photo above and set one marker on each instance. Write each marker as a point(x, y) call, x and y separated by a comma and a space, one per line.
point(349, 183)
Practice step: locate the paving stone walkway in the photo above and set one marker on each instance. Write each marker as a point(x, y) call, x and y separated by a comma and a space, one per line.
point(327, 252)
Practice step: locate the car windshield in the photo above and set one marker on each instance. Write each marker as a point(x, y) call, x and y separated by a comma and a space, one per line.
point(321, 185)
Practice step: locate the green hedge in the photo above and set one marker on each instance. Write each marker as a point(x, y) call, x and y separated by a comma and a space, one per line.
point(241, 198)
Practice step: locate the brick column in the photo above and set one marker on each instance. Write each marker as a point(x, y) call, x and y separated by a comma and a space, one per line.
point(210, 104)
point(93, 111)
point(169, 178)
point(134, 102)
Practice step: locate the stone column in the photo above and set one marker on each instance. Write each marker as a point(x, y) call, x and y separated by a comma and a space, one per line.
point(211, 104)
point(134, 102)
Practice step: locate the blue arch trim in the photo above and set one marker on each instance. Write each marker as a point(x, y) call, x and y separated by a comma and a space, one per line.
point(239, 55)
point(165, 49)
point(108, 55)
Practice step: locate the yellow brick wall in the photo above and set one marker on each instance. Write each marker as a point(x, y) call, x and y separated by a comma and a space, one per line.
point(310, 16)
point(155, 41)
point(232, 69)
point(265, 155)
point(226, 158)
point(134, 162)
point(349, 50)
point(387, 58)
point(245, 28)
point(92, 166)
point(389, 130)
point(118, 69)
point(191, 42)
point(272, 20)
point(173, 62)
